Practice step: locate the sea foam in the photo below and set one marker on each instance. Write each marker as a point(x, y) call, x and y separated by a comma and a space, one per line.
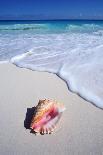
point(74, 53)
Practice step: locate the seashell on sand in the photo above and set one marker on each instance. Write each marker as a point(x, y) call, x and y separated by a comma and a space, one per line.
point(46, 116)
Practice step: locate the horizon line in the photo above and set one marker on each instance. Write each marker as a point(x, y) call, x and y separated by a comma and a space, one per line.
point(54, 19)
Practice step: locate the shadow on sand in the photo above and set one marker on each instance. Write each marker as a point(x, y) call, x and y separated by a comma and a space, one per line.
point(29, 115)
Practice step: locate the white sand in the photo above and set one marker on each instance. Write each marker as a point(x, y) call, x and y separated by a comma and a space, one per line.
point(81, 130)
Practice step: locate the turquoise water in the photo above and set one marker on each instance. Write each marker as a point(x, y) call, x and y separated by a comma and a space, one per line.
point(50, 26)
point(71, 49)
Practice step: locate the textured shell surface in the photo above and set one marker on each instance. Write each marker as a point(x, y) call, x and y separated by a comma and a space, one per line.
point(46, 116)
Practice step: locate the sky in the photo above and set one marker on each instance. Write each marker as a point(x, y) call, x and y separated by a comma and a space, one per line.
point(51, 9)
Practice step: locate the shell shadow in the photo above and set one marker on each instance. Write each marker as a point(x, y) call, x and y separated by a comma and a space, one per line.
point(29, 115)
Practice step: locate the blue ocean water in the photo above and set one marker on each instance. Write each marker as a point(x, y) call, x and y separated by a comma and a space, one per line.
point(72, 49)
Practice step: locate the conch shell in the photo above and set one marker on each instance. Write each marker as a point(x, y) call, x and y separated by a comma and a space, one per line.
point(46, 116)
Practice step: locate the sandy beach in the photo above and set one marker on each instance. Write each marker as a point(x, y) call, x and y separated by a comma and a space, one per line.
point(79, 133)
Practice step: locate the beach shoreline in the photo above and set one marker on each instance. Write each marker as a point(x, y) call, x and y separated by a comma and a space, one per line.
point(81, 127)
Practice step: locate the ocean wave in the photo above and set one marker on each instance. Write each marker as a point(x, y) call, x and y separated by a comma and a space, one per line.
point(84, 28)
point(77, 60)
point(64, 28)
point(23, 27)
point(76, 56)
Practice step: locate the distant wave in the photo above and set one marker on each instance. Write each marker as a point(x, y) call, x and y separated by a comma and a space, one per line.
point(23, 27)
point(83, 28)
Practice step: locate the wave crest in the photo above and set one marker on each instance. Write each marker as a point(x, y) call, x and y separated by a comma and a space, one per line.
point(23, 27)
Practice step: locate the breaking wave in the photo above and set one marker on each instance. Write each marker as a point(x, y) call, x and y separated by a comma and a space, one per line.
point(73, 52)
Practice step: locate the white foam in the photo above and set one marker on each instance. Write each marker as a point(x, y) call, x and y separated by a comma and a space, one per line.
point(76, 58)
point(20, 57)
point(75, 55)
point(3, 62)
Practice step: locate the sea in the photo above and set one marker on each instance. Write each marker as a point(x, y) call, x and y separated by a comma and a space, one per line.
point(71, 49)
